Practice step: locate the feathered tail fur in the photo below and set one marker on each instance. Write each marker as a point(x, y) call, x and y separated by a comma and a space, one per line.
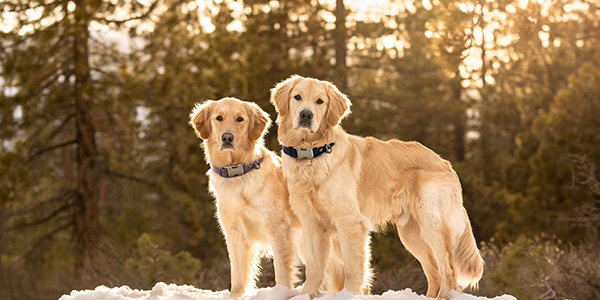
point(469, 263)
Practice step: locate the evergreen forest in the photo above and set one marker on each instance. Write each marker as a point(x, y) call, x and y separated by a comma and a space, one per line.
point(103, 182)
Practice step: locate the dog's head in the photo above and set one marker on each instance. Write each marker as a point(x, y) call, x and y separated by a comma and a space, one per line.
point(308, 106)
point(229, 124)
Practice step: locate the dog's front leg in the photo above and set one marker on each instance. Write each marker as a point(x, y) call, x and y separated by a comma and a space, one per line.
point(284, 253)
point(317, 244)
point(241, 258)
point(354, 241)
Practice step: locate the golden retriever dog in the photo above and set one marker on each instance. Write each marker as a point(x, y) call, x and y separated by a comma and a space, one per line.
point(251, 194)
point(342, 186)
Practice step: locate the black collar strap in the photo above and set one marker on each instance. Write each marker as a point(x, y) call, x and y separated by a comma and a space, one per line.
point(237, 170)
point(307, 153)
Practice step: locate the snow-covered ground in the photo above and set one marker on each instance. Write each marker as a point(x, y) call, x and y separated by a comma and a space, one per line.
point(162, 291)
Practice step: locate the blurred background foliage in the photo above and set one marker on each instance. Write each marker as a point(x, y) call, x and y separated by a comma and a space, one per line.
point(103, 181)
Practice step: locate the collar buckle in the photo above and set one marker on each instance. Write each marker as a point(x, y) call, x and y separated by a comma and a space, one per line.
point(305, 153)
point(236, 170)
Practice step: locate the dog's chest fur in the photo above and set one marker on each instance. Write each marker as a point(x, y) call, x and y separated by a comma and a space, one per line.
point(310, 173)
point(310, 187)
point(239, 196)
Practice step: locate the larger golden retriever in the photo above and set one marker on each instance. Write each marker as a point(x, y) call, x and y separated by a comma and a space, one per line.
point(250, 190)
point(343, 185)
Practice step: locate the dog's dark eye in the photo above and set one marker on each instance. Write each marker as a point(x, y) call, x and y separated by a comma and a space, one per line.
point(219, 118)
point(297, 97)
point(240, 119)
point(319, 101)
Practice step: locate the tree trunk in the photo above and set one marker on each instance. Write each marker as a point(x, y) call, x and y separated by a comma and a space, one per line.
point(460, 125)
point(483, 132)
point(86, 211)
point(341, 76)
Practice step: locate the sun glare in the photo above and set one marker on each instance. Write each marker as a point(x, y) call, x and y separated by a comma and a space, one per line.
point(486, 36)
point(523, 3)
point(7, 21)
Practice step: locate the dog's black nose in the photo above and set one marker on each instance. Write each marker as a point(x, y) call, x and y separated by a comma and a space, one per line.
point(227, 137)
point(306, 114)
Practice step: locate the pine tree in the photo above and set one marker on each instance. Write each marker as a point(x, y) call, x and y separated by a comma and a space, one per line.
point(49, 61)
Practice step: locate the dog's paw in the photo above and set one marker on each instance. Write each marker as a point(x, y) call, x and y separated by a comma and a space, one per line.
point(236, 293)
point(313, 294)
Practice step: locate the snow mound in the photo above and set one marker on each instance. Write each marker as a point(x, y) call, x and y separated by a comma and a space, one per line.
point(162, 291)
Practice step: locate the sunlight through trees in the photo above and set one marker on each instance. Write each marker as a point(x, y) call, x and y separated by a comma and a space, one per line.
point(97, 158)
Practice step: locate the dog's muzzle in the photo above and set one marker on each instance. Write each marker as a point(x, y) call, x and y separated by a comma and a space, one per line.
point(227, 140)
point(305, 119)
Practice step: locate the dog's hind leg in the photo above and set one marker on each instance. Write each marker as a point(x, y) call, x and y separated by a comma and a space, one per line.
point(430, 211)
point(410, 235)
point(443, 249)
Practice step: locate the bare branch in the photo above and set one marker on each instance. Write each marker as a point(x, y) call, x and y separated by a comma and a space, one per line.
point(110, 75)
point(60, 127)
point(57, 146)
point(550, 292)
point(130, 177)
point(122, 21)
point(61, 195)
point(584, 173)
point(583, 278)
point(48, 235)
point(45, 219)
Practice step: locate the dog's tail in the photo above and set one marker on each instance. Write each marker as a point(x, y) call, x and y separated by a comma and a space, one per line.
point(469, 263)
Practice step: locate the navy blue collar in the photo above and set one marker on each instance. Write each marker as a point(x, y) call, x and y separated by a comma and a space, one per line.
point(237, 170)
point(307, 153)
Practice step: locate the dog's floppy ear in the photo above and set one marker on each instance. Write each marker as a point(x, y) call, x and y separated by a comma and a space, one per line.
point(280, 95)
point(259, 121)
point(339, 105)
point(200, 118)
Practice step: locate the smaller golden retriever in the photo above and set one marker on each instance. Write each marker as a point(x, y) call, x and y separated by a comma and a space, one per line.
point(250, 191)
point(342, 186)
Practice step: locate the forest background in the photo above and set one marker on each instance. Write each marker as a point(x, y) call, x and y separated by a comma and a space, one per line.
point(103, 181)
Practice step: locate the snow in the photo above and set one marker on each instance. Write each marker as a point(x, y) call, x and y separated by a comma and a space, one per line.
point(162, 291)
